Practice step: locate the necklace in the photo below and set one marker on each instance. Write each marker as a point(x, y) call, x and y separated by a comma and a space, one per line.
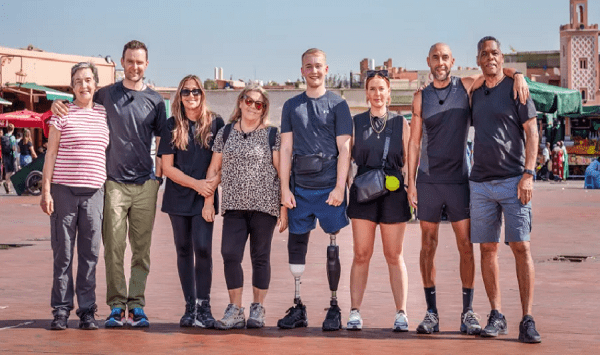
point(247, 134)
point(373, 124)
point(441, 101)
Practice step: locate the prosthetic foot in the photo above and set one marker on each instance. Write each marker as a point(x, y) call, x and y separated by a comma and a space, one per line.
point(296, 315)
point(333, 319)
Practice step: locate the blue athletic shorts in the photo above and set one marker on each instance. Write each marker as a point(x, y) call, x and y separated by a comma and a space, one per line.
point(310, 206)
point(491, 199)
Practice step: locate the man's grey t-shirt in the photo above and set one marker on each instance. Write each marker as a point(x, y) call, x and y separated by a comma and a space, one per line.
point(499, 150)
point(315, 124)
point(446, 115)
point(134, 117)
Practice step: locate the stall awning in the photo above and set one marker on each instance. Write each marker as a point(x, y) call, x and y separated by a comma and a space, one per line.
point(588, 111)
point(5, 102)
point(22, 119)
point(51, 94)
point(550, 98)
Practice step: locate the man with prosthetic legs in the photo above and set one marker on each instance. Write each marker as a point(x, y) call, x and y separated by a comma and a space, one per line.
point(439, 127)
point(315, 156)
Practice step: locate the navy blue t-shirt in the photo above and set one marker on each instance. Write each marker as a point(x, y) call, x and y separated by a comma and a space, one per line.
point(315, 124)
point(194, 161)
point(499, 149)
point(134, 118)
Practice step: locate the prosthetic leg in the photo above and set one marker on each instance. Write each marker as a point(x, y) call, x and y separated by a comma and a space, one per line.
point(296, 315)
point(333, 318)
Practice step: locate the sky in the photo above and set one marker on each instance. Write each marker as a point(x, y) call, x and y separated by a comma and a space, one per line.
point(264, 39)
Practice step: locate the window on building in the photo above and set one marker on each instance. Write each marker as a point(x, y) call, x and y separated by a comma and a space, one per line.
point(564, 51)
point(582, 63)
point(583, 95)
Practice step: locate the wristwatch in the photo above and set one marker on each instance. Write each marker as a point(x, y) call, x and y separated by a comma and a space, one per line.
point(160, 180)
point(528, 171)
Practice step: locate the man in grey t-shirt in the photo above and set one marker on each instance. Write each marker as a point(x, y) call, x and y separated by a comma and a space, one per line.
point(506, 143)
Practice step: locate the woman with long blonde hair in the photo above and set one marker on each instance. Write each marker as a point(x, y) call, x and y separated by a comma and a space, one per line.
point(189, 197)
point(26, 149)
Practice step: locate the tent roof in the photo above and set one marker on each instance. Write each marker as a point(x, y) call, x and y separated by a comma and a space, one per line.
point(550, 98)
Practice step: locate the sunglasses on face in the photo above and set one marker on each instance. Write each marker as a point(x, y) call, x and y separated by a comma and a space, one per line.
point(259, 105)
point(372, 73)
point(187, 92)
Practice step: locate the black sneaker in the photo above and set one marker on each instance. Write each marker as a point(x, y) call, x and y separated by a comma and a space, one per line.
point(333, 319)
point(496, 325)
point(430, 324)
point(189, 316)
point(294, 318)
point(527, 331)
point(204, 317)
point(60, 320)
point(87, 321)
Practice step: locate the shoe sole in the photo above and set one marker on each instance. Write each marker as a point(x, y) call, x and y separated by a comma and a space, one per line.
point(139, 324)
point(240, 325)
point(529, 341)
point(328, 328)
point(423, 330)
point(493, 335)
point(353, 327)
point(466, 331)
point(59, 328)
point(254, 324)
point(400, 329)
point(298, 324)
point(199, 324)
point(113, 324)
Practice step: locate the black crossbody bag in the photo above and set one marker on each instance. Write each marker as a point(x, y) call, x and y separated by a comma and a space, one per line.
point(371, 184)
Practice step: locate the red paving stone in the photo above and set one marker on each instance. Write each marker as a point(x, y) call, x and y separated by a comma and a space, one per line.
point(566, 221)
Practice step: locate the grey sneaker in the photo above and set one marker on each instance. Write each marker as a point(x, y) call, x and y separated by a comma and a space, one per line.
point(257, 316)
point(355, 321)
point(233, 318)
point(496, 325)
point(430, 324)
point(470, 323)
point(400, 322)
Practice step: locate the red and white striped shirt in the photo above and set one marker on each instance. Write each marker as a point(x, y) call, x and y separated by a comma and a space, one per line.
point(81, 157)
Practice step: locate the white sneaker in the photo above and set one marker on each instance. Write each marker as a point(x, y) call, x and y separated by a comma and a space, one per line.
point(354, 320)
point(400, 322)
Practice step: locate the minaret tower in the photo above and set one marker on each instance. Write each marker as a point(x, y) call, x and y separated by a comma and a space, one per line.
point(579, 53)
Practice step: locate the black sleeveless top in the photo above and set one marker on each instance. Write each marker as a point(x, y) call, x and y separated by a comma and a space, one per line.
point(368, 148)
point(446, 117)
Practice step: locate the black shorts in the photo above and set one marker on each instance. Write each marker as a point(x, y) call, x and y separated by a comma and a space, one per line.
point(434, 198)
point(388, 209)
point(9, 164)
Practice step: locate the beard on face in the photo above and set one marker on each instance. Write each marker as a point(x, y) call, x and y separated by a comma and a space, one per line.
point(440, 76)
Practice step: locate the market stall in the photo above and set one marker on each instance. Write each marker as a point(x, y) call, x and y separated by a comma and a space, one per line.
point(583, 146)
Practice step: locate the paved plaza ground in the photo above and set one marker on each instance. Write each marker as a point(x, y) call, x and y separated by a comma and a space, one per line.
point(566, 221)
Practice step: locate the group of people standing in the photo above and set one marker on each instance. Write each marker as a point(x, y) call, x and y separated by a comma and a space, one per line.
point(17, 152)
point(290, 180)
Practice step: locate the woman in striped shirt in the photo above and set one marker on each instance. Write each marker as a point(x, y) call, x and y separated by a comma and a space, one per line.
point(73, 196)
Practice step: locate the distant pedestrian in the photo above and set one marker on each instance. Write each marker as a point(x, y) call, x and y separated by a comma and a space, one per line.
point(73, 196)
point(565, 160)
point(9, 148)
point(26, 149)
point(557, 163)
point(189, 198)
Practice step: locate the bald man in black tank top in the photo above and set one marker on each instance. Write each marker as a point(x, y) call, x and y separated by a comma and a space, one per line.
point(439, 126)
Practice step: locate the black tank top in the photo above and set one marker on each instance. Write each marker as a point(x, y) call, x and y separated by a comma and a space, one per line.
point(368, 148)
point(446, 117)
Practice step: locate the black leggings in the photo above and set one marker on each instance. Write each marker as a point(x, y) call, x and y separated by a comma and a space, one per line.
point(193, 236)
point(237, 225)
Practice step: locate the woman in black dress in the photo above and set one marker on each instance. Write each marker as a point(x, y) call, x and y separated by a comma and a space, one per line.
point(391, 211)
point(186, 150)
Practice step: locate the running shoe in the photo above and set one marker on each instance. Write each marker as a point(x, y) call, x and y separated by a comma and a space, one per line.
point(137, 318)
point(257, 316)
point(400, 322)
point(294, 318)
point(87, 321)
point(61, 316)
point(115, 319)
point(232, 319)
point(496, 325)
point(431, 324)
point(189, 316)
point(355, 321)
point(527, 331)
point(333, 319)
point(469, 323)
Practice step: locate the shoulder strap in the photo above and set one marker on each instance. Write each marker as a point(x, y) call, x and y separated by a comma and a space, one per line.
point(272, 136)
point(386, 147)
point(226, 132)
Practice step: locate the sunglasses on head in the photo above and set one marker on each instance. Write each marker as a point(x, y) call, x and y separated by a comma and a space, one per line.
point(372, 73)
point(187, 92)
point(258, 104)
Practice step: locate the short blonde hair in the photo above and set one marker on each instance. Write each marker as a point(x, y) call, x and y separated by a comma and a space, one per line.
point(313, 51)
